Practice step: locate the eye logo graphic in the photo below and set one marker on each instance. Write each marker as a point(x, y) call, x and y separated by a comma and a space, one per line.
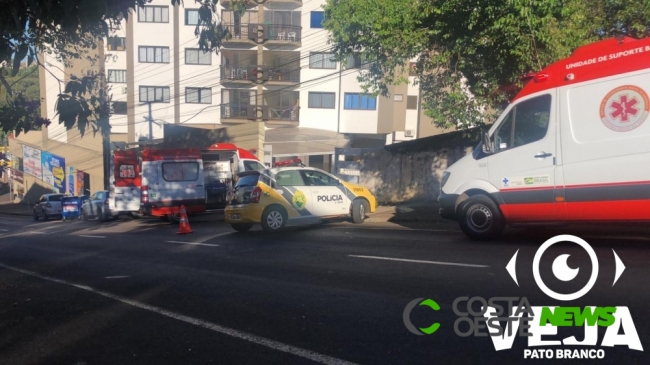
point(561, 269)
point(407, 316)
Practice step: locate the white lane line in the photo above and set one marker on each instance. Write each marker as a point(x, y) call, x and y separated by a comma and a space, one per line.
point(272, 344)
point(194, 243)
point(89, 236)
point(419, 261)
point(399, 229)
point(36, 232)
point(117, 277)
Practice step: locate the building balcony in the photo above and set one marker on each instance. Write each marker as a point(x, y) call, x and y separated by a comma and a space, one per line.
point(283, 76)
point(264, 2)
point(252, 33)
point(283, 34)
point(239, 74)
point(272, 114)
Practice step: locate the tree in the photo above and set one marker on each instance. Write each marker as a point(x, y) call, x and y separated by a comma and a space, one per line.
point(69, 29)
point(471, 54)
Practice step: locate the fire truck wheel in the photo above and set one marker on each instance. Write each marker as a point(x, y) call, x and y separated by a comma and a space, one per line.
point(241, 227)
point(174, 218)
point(480, 218)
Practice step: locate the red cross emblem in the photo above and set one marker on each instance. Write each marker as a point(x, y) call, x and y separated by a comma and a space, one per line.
point(624, 107)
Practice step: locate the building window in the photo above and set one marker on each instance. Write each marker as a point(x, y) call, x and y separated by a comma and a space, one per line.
point(195, 95)
point(192, 17)
point(357, 61)
point(154, 94)
point(412, 69)
point(117, 76)
point(197, 57)
point(398, 97)
point(116, 44)
point(357, 101)
point(321, 100)
point(180, 171)
point(149, 54)
point(119, 107)
point(153, 14)
point(316, 19)
point(322, 60)
point(411, 102)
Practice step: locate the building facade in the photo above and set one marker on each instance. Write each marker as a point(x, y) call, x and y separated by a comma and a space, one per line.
point(277, 68)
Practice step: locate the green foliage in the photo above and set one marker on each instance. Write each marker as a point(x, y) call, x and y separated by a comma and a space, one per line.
point(471, 52)
point(70, 29)
point(20, 110)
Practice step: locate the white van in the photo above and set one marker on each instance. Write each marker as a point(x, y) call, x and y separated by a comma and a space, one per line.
point(573, 146)
point(171, 178)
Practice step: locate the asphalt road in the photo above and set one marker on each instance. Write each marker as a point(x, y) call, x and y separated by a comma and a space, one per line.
point(134, 292)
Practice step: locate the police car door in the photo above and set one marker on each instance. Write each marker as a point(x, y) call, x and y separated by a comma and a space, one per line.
point(327, 197)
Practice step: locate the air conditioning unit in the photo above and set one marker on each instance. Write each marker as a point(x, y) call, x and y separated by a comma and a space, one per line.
point(409, 133)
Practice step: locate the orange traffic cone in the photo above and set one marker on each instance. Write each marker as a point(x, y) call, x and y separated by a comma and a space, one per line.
point(184, 226)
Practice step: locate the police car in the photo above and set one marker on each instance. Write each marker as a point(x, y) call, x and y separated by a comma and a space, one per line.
point(300, 195)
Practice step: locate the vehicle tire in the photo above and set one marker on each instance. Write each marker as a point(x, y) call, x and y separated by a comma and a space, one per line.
point(274, 218)
point(36, 217)
point(359, 209)
point(136, 215)
point(100, 215)
point(174, 218)
point(45, 216)
point(164, 218)
point(83, 215)
point(480, 218)
point(242, 227)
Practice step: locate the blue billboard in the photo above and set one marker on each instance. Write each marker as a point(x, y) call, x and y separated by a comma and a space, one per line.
point(54, 170)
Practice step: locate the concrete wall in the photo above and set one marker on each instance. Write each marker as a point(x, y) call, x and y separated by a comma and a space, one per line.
point(412, 170)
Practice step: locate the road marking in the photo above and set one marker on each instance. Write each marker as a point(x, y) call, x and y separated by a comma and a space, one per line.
point(419, 261)
point(272, 344)
point(36, 232)
point(89, 236)
point(398, 229)
point(117, 277)
point(194, 243)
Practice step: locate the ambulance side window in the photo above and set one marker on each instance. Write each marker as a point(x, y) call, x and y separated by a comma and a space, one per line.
point(527, 122)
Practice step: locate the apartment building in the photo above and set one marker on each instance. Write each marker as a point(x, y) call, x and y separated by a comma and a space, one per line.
point(275, 69)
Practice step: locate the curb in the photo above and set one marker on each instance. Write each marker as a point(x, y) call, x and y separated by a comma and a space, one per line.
point(395, 219)
point(19, 214)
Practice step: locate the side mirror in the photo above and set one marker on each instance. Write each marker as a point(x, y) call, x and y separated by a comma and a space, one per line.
point(486, 143)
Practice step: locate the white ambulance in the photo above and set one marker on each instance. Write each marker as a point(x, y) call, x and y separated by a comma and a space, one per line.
point(573, 146)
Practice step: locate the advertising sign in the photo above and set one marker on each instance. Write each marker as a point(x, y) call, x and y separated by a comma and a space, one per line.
point(54, 170)
point(80, 184)
point(32, 162)
point(18, 176)
point(71, 180)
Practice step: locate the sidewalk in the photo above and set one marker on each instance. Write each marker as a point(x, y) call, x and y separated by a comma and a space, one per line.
point(7, 207)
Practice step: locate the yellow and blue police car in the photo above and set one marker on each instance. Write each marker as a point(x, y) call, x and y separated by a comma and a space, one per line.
point(299, 195)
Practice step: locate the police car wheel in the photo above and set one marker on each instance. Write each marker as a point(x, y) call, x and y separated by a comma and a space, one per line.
point(273, 219)
point(241, 227)
point(359, 209)
point(480, 218)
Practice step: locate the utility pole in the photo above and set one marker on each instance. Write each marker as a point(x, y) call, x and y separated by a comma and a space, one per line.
point(150, 123)
point(105, 126)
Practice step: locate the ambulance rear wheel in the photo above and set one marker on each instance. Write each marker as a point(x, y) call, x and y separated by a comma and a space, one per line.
point(241, 227)
point(274, 219)
point(480, 218)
